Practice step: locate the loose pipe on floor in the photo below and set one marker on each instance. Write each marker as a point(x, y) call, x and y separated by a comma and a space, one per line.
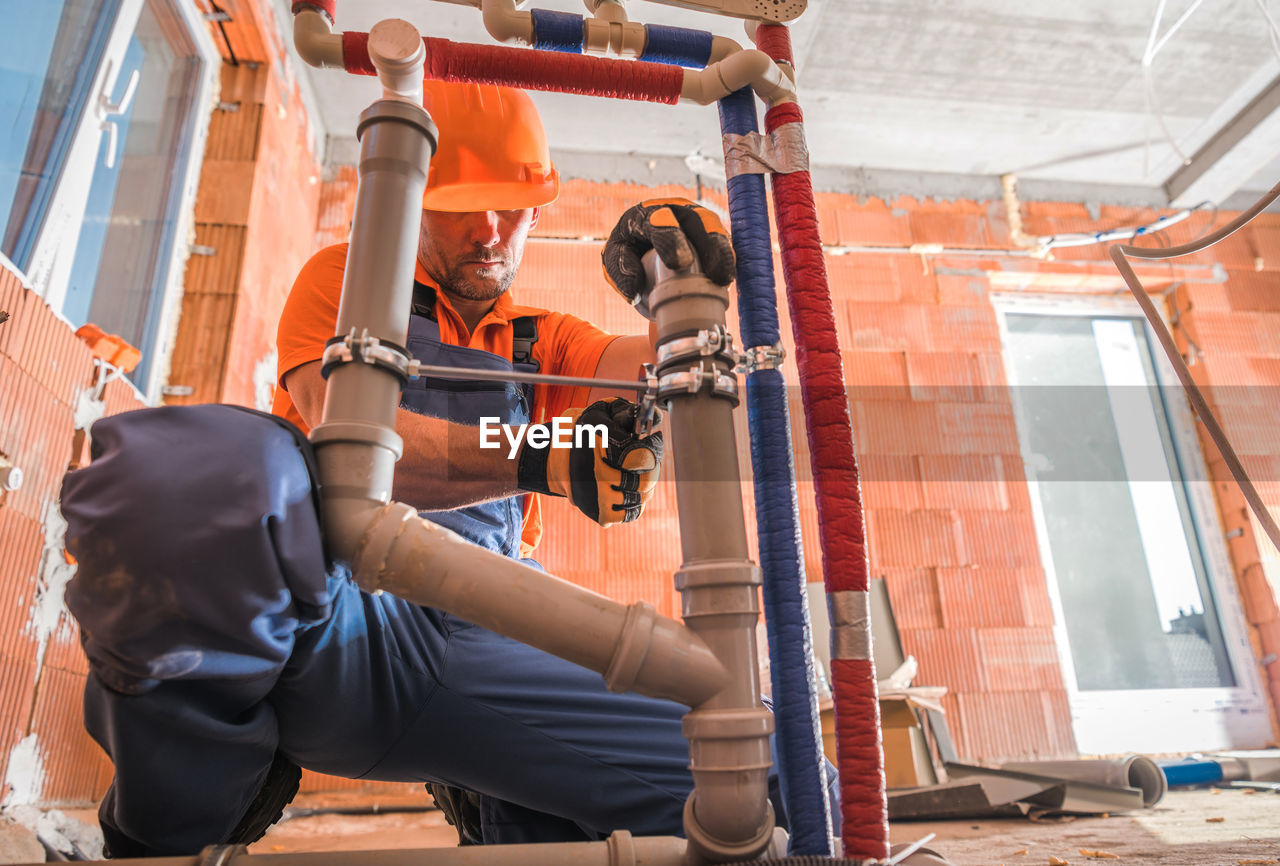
point(710, 664)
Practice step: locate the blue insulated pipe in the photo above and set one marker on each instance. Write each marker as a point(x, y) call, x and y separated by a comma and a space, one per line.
point(801, 764)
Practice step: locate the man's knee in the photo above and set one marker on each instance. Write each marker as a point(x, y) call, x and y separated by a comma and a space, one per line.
point(197, 545)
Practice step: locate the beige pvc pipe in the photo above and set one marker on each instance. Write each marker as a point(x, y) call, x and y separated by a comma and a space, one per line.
point(709, 664)
point(389, 546)
point(620, 849)
point(749, 67)
point(728, 816)
point(315, 41)
point(634, 647)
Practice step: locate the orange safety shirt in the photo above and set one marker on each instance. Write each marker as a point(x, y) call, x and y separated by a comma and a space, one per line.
point(566, 346)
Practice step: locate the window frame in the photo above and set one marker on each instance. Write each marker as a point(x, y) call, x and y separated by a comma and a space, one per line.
point(1114, 721)
point(50, 263)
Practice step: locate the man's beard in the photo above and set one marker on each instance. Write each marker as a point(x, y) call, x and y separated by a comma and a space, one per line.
point(456, 281)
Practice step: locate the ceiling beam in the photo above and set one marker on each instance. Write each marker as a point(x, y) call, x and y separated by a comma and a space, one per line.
point(1235, 153)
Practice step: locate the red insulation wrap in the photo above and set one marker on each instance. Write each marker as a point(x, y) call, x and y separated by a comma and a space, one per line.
point(841, 533)
point(328, 7)
point(533, 70)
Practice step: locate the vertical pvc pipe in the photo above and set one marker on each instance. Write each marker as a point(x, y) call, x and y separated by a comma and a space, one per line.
point(801, 764)
point(865, 829)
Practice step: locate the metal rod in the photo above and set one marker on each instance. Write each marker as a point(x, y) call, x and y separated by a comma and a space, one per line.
point(471, 373)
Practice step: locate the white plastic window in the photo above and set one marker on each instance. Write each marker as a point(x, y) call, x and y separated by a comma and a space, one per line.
point(1153, 645)
point(105, 105)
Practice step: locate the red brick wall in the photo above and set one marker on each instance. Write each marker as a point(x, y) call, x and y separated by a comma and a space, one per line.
point(921, 354)
point(46, 373)
point(934, 426)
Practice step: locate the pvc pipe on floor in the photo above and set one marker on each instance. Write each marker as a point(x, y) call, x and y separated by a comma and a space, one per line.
point(1134, 771)
point(620, 849)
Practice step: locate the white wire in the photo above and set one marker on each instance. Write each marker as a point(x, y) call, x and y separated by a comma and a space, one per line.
point(1154, 44)
point(1273, 31)
point(1152, 51)
point(1148, 52)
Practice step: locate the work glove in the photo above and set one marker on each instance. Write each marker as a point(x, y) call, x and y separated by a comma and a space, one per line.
point(610, 482)
point(676, 229)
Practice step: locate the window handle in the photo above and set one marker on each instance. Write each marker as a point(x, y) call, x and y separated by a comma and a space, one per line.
point(106, 109)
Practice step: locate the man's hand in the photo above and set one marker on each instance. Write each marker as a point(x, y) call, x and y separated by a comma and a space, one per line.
point(609, 482)
point(676, 229)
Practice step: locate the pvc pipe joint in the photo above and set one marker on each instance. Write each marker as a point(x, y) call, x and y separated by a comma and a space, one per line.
point(609, 31)
point(750, 67)
point(397, 52)
point(505, 23)
point(728, 816)
point(315, 40)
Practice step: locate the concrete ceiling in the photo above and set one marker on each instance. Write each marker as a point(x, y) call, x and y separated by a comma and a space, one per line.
point(930, 97)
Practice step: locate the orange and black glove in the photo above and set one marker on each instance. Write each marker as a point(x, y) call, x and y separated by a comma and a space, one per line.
point(676, 229)
point(608, 478)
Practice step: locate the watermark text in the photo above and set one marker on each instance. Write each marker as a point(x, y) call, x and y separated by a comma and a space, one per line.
point(560, 433)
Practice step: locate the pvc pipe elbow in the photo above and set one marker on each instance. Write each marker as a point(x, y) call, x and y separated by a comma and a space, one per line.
point(346, 522)
point(722, 47)
point(505, 23)
point(315, 40)
point(749, 67)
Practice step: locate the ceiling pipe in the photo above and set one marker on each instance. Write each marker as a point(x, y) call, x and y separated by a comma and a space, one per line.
point(747, 68)
point(315, 40)
point(507, 24)
point(730, 69)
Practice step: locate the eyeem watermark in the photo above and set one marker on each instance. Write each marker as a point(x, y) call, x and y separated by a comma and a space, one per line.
point(560, 433)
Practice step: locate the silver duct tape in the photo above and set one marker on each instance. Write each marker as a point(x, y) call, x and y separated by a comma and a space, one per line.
point(851, 642)
point(850, 612)
point(782, 151)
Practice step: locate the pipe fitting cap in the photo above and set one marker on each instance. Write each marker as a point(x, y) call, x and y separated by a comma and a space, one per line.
point(10, 477)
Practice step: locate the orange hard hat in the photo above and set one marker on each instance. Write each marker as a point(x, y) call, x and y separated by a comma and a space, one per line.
point(492, 152)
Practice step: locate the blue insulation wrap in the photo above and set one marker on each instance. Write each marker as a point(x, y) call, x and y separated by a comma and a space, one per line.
point(752, 239)
point(557, 31)
point(799, 738)
point(677, 46)
point(1191, 772)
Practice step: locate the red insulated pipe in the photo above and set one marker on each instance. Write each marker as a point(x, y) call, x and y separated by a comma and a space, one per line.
point(841, 533)
point(533, 70)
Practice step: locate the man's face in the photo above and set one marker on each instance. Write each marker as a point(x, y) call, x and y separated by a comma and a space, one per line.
point(474, 255)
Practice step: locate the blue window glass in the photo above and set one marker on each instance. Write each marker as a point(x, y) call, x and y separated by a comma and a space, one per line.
point(49, 55)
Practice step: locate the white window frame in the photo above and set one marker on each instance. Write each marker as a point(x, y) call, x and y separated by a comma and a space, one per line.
point(1127, 720)
point(52, 256)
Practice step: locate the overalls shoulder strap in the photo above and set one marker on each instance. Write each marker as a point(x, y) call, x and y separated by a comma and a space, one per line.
point(524, 329)
point(524, 333)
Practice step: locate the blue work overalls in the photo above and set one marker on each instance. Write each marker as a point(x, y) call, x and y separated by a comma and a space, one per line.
point(218, 633)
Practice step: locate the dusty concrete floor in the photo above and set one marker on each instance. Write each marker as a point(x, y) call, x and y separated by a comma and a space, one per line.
point(1181, 830)
point(1177, 832)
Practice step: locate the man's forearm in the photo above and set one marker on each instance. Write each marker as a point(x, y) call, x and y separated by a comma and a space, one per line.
point(444, 466)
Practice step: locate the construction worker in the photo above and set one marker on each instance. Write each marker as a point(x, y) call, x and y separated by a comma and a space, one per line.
point(225, 649)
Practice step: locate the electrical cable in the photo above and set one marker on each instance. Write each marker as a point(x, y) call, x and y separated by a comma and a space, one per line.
point(1273, 31)
point(1148, 56)
point(1120, 254)
point(1080, 239)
